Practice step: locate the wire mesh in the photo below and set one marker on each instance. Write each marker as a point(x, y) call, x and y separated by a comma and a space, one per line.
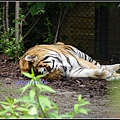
point(78, 28)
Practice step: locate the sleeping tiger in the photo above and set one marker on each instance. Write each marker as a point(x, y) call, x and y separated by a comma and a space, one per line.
point(62, 61)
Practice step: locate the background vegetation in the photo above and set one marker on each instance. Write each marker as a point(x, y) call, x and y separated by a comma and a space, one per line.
point(31, 23)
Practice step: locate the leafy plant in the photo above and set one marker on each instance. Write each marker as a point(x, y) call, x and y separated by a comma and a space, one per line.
point(36, 104)
point(109, 5)
point(36, 7)
point(8, 45)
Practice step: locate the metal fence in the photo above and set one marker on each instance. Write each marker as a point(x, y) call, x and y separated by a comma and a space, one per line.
point(93, 31)
point(78, 28)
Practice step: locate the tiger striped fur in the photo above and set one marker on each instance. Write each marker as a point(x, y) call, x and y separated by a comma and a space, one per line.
point(62, 61)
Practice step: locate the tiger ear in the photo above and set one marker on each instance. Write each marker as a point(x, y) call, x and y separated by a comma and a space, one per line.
point(31, 58)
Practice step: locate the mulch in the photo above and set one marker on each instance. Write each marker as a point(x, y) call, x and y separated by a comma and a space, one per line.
point(10, 69)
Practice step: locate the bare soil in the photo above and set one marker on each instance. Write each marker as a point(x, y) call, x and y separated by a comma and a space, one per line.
point(97, 92)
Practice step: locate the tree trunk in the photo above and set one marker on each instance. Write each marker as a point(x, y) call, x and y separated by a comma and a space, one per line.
point(16, 22)
point(3, 17)
point(7, 16)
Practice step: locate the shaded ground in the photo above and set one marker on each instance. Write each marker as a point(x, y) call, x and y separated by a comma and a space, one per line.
point(95, 91)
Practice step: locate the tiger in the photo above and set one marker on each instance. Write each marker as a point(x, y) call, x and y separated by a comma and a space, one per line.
point(56, 62)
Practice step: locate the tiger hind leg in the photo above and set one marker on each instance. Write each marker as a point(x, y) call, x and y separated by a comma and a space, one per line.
point(114, 67)
point(97, 73)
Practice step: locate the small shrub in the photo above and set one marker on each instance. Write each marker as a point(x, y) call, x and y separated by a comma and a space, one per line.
point(8, 45)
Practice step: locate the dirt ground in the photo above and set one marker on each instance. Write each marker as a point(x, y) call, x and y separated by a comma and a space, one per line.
point(97, 92)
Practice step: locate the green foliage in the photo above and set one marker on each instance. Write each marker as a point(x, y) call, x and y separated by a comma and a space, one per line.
point(109, 5)
point(8, 45)
point(113, 91)
point(36, 7)
point(50, 37)
point(36, 104)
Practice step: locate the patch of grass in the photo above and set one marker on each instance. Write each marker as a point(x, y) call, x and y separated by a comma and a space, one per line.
point(114, 92)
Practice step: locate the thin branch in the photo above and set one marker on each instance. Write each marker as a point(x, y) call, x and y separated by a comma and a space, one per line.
point(21, 23)
point(31, 28)
point(57, 32)
point(34, 24)
point(60, 22)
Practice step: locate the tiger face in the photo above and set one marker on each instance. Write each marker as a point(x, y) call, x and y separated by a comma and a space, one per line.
point(36, 58)
point(45, 65)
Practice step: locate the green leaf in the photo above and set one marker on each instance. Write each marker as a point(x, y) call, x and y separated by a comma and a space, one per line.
point(32, 73)
point(45, 87)
point(84, 103)
point(54, 105)
point(32, 94)
point(3, 112)
point(25, 88)
point(66, 116)
point(22, 109)
point(41, 5)
point(27, 74)
point(33, 9)
point(37, 7)
point(5, 103)
point(79, 97)
point(28, 116)
point(54, 114)
point(111, 6)
point(45, 101)
point(26, 99)
point(71, 114)
point(10, 100)
point(76, 107)
point(8, 108)
point(40, 76)
point(82, 110)
point(33, 111)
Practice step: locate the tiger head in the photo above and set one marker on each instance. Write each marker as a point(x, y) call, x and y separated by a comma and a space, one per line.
point(40, 67)
point(38, 58)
